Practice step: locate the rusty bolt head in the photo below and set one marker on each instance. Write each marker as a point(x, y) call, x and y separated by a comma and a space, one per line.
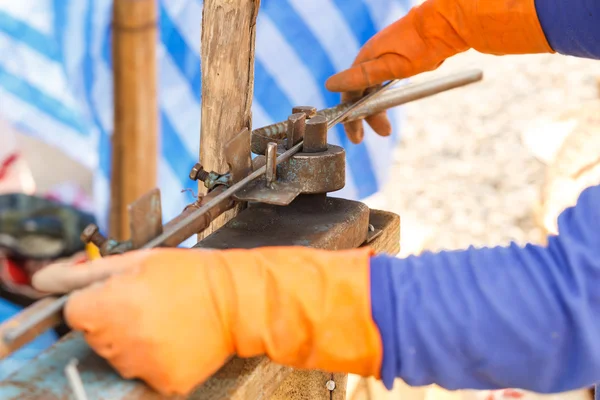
point(198, 173)
point(195, 171)
point(91, 234)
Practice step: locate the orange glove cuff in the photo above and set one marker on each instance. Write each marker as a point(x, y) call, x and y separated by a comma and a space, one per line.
point(302, 307)
point(496, 26)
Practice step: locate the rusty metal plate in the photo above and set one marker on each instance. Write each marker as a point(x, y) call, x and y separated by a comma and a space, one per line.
point(313, 221)
point(312, 173)
point(260, 141)
point(374, 233)
point(238, 157)
point(145, 218)
point(277, 193)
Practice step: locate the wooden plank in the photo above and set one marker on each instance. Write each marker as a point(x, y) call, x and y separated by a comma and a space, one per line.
point(228, 37)
point(311, 385)
point(135, 136)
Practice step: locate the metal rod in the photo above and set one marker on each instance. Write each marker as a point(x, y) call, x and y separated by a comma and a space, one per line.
point(367, 105)
point(391, 98)
point(75, 380)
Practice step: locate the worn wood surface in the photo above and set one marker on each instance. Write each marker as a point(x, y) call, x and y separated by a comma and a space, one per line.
point(311, 385)
point(389, 240)
point(135, 136)
point(228, 36)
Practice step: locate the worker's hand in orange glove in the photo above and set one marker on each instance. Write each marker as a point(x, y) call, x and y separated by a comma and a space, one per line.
point(428, 35)
point(172, 317)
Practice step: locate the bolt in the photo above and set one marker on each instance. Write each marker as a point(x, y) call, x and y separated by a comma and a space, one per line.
point(198, 173)
point(371, 228)
point(91, 234)
point(330, 385)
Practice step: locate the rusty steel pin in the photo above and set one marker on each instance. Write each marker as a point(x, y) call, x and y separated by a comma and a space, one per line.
point(271, 156)
point(295, 129)
point(315, 136)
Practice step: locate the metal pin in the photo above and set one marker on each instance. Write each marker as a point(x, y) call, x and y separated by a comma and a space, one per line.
point(75, 380)
point(296, 125)
point(315, 137)
point(271, 156)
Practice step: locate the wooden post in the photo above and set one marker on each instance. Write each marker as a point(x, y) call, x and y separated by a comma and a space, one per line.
point(228, 36)
point(135, 137)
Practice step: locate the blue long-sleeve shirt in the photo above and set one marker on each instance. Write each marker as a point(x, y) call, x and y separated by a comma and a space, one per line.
point(506, 317)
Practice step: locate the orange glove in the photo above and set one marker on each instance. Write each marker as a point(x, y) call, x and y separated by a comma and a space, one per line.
point(431, 33)
point(172, 317)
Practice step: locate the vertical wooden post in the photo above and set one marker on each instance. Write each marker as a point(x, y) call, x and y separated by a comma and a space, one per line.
point(228, 37)
point(135, 137)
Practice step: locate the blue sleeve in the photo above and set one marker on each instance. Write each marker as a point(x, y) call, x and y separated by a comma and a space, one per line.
point(572, 27)
point(492, 318)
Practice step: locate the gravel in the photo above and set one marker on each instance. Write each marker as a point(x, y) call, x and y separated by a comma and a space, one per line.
point(461, 175)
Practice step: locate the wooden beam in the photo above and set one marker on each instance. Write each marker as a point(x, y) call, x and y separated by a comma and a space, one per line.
point(228, 37)
point(135, 136)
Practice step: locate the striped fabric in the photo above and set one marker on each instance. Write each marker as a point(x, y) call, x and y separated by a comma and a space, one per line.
point(56, 84)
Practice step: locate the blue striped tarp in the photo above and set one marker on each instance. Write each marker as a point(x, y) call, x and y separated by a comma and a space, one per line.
point(56, 83)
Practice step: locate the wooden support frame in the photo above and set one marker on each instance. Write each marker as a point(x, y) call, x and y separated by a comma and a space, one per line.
point(135, 136)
